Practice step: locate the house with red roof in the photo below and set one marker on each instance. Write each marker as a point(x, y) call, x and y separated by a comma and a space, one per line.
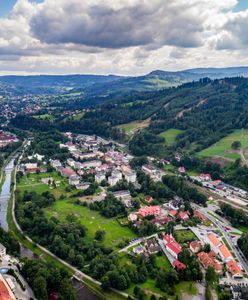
point(205, 177)
point(198, 215)
point(234, 269)
point(183, 216)
point(195, 246)
point(179, 265)
point(172, 246)
point(5, 291)
point(173, 213)
point(148, 199)
point(149, 211)
point(67, 172)
point(209, 260)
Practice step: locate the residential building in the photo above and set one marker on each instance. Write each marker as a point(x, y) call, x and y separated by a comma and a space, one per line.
point(74, 180)
point(225, 254)
point(91, 164)
point(183, 216)
point(214, 242)
point(113, 180)
point(173, 247)
point(178, 265)
point(71, 162)
point(66, 172)
point(130, 176)
point(117, 174)
point(209, 260)
point(234, 269)
point(205, 177)
point(99, 177)
point(132, 217)
point(125, 197)
point(173, 213)
point(181, 170)
point(198, 215)
point(152, 246)
point(2, 250)
point(55, 164)
point(195, 246)
point(149, 210)
point(148, 199)
point(5, 291)
point(148, 169)
point(138, 250)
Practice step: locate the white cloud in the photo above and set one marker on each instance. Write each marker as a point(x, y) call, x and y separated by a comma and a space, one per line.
point(121, 36)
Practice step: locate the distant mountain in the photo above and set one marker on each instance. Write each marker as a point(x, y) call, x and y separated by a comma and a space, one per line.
point(104, 86)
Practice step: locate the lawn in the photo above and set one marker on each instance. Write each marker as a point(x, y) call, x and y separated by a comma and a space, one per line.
point(32, 182)
point(223, 147)
point(115, 233)
point(163, 262)
point(45, 116)
point(184, 236)
point(170, 135)
point(131, 127)
point(243, 229)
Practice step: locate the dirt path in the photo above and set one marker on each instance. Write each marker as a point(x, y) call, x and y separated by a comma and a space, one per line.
point(242, 153)
point(181, 113)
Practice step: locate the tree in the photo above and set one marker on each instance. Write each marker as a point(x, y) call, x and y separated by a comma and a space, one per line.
point(208, 295)
point(40, 287)
point(105, 282)
point(99, 235)
point(236, 145)
point(210, 275)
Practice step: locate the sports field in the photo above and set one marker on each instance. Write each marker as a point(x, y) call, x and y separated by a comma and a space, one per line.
point(223, 147)
point(170, 135)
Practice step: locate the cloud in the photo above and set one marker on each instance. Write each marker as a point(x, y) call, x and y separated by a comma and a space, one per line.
point(121, 36)
point(235, 32)
point(104, 24)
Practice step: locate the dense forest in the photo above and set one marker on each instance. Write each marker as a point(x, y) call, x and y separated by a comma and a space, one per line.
point(205, 110)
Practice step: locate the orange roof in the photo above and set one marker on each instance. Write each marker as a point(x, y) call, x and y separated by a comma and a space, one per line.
point(206, 260)
point(4, 293)
point(233, 267)
point(213, 239)
point(173, 213)
point(225, 252)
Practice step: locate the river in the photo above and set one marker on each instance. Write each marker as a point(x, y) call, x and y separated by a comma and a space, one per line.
point(6, 194)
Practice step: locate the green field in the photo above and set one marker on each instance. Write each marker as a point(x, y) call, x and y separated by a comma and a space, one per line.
point(131, 127)
point(32, 182)
point(223, 147)
point(45, 116)
point(185, 236)
point(115, 233)
point(170, 135)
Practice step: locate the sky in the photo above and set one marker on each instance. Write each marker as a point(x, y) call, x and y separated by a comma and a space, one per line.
point(128, 37)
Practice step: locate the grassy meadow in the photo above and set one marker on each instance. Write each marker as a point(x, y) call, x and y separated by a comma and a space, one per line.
point(170, 135)
point(223, 147)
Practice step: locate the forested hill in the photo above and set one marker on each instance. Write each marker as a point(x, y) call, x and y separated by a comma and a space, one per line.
point(205, 110)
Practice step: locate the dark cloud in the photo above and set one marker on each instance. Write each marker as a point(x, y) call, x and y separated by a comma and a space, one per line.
point(105, 27)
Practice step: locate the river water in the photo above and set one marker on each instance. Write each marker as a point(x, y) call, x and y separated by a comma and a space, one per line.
point(5, 194)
